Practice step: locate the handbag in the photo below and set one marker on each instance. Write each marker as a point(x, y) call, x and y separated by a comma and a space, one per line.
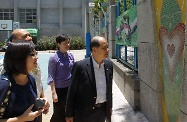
point(4, 96)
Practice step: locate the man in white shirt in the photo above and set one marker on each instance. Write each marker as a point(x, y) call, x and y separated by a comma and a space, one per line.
point(89, 97)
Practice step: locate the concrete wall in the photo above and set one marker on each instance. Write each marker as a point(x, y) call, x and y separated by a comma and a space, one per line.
point(29, 4)
point(7, 4)
point(128, 82)
point(49, 3)
point(183, 108)
point(72, 4)
point(148, 62)
point(49, 16)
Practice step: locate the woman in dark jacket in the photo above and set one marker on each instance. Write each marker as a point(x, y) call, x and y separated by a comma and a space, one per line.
point(19, 60)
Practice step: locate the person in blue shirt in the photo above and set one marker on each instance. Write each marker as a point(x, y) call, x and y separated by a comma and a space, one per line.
point(59, 74)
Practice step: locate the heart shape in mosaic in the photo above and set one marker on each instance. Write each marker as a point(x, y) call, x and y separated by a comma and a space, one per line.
point(172, 44)
point(170, 49)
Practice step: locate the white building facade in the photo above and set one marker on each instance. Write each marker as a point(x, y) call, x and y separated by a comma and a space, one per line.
point(50, 17)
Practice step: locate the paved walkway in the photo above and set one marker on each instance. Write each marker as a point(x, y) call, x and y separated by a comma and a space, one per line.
point(122, 111)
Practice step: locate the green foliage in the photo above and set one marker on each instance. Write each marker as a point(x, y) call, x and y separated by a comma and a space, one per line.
point(76, 43)
point(46, 43)
point(49, 43)
point(121, 7)
point(97, 8)
point(3, 44)
point(129, 4)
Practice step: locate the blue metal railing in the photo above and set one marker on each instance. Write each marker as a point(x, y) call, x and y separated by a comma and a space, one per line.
point(103, 23)
point(118, 54)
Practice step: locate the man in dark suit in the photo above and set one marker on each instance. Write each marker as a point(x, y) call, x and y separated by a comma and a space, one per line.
point(89, 97)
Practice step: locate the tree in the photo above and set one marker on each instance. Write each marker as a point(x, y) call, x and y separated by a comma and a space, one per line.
point(97, 7)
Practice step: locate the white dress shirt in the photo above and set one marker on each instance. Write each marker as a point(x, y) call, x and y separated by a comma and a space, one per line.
point(38, 78)
point(100, 79)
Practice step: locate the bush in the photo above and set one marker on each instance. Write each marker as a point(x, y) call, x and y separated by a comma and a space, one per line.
point(46, 43)
point(3, 45)
point(76, 43)
point(49, 43)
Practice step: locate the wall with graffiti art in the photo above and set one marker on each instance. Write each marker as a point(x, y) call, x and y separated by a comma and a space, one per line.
point(170, 22)
point(126, 28)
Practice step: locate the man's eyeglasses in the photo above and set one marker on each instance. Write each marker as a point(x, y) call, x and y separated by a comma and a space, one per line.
point(34, 54)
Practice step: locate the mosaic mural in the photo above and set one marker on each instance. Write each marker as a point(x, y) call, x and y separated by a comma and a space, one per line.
point(170, 18)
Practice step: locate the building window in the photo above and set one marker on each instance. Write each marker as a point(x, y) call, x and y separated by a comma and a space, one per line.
point(6, 14)
point(28, 16)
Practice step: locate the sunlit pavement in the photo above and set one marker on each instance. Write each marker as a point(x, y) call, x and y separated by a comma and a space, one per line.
point(122, 111)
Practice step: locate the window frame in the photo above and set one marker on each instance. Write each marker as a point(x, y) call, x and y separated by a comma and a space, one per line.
point(6, 14)
point(28, 16)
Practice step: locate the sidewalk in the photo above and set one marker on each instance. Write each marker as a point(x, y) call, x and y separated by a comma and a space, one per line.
point(122, 111)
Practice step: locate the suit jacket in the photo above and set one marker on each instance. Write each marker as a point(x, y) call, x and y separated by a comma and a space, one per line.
point(82, 92)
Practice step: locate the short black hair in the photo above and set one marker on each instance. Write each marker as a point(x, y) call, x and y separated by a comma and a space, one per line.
point(61, 38)
point(13, 36)
point(94, 42)
point(16, 56)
